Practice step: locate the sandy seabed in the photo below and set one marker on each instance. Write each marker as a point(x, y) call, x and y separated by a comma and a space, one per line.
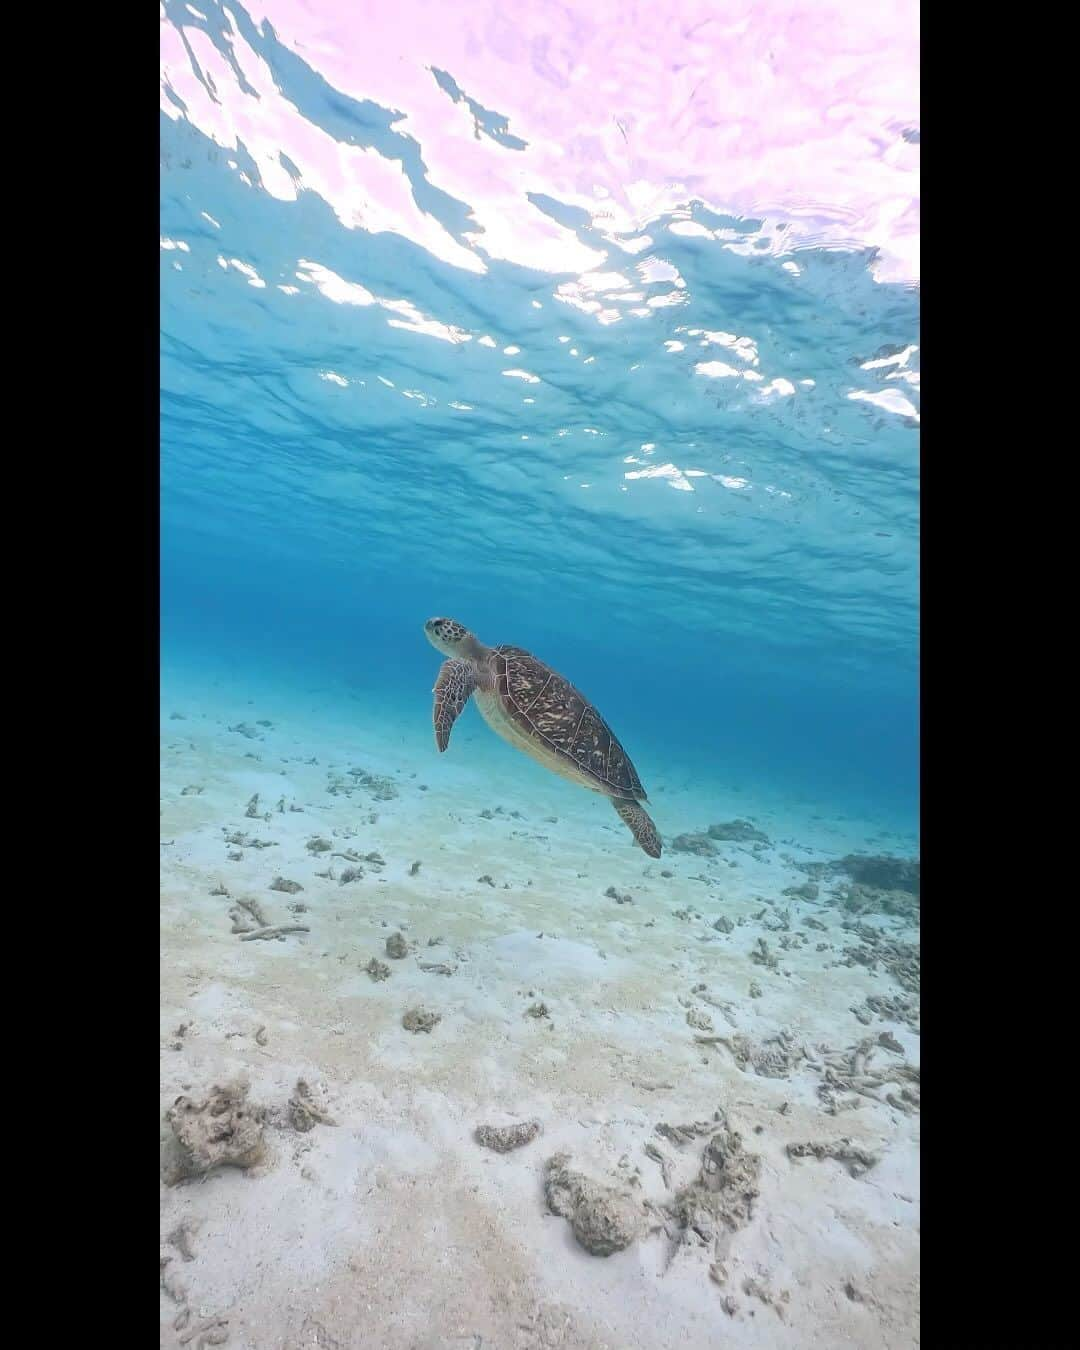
point(717, 1105)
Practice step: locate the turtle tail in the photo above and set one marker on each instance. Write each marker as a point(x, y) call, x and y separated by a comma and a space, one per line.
point(639, 823)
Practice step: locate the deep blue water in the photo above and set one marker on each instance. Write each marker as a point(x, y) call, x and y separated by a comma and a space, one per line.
point(727, 566)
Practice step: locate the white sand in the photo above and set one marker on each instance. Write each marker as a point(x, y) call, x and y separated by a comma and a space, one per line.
point(393, 1227)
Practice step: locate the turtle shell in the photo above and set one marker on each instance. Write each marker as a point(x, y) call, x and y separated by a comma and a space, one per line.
point(548, 708)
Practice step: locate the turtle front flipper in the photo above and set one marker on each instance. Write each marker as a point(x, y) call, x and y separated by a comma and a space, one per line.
point(640, 824)
point(452, 689)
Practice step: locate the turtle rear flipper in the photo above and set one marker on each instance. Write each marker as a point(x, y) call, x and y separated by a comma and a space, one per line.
point(640, 823)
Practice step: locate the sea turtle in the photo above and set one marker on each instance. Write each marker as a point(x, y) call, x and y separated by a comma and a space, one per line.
point(539, 712)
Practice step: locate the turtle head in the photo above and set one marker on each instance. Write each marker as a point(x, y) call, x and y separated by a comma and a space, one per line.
point(448, 636)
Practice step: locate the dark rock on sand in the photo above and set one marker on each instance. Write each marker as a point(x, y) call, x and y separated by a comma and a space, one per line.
point(603, 1219)
point(620, 897)
point(699, 844)
point(283, 884)
point(858, 898)
point(723, 1195)
point(304, 1110)
point(737, 831)
point(503, 1138)
point(223, 1130)
point(881, 871)
point(858, 1160)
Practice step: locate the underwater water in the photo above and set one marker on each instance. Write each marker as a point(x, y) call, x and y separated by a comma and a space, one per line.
point(598, 333)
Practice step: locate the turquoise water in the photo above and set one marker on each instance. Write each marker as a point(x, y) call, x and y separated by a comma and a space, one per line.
point(704, 512)
point(448, 328)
